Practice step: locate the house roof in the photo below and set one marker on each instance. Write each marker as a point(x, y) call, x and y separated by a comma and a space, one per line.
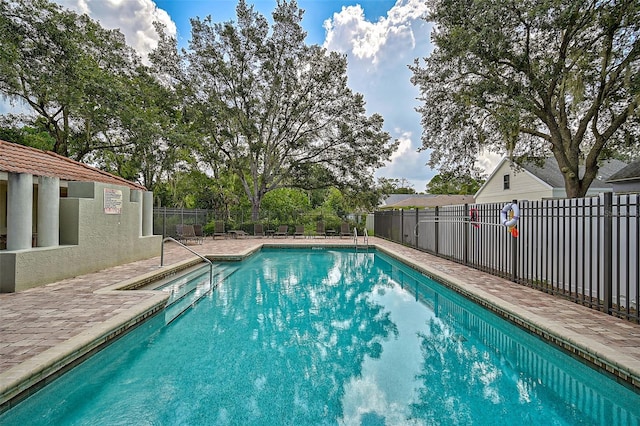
point(550, 173)
point(631, 172)
point(427, 200)
point(393, 199)
point(15, 158)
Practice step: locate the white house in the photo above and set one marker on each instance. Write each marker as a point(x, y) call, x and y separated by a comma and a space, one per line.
point(530, 182)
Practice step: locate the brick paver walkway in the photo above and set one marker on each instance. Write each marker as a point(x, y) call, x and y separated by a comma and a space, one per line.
point(45, 327)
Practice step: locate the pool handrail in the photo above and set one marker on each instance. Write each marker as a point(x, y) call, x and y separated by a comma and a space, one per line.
point(197, 254)
point(365, 239)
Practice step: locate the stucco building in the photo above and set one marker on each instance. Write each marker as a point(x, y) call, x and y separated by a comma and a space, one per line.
point(60, 218)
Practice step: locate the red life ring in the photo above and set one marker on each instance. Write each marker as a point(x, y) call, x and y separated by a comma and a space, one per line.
point(474, 217)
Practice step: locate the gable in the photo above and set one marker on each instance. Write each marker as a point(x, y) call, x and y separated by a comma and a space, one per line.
point(523, 185)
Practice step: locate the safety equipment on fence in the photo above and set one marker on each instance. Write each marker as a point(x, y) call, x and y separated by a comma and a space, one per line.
point(474, 217)
point(509, 217)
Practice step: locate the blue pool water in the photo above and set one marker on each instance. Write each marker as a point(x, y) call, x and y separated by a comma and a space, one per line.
point(325, 337)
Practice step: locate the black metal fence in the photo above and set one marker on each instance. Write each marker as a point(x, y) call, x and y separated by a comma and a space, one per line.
point(165, 219)
point(585, 249)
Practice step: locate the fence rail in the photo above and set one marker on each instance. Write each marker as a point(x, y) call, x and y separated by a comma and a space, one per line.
point(585, 249)
point(165, 219)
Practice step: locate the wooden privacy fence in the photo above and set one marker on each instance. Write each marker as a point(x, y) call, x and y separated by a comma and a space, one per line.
point(584, 249)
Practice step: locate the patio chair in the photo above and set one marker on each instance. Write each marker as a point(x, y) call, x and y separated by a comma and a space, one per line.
point(299, 231)
point(199, 233)
point(258, 230)
point(235, 233)
point(283, 231)
point(219, 230)
point(179, 232)
point(186, 233)
point(320, 229)
point(345, 231)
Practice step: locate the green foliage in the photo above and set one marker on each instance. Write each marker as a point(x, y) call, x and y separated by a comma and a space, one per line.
point(531, 78)
point(69, 70)
point(335, 202)
point(88, 91)
point(449, 183)
point(286, 204)
point(28, 136)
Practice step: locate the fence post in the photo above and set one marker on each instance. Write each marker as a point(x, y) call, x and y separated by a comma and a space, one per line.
point(437, 229)
point(607, 242)
point(415, 229)
point(466, 224)
point(514, 254)
point(401, 226)
point(164, 222)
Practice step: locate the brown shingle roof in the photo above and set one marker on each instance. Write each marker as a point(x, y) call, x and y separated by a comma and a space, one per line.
point(16, 158)
point(432, 201)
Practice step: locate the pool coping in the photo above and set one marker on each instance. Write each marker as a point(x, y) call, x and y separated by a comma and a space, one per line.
point(21, 380)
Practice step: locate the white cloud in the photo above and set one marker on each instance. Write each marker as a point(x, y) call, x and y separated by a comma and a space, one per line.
point(134, 18)
point(349, 31)
point(379, 54)
point(407, 163)
point(488, 161)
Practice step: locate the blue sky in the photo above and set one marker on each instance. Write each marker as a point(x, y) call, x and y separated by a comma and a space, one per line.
point(380, 38)
point(316, 12)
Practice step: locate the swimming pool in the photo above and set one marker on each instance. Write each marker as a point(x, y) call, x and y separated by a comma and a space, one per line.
point(302, 336)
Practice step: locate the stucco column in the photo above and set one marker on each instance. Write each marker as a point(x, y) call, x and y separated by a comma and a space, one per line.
point(48, 211)
point(136, 197)
point(19, 211)
point(147, 213)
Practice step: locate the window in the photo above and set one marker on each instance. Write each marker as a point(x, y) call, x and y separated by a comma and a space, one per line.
point(505, 182)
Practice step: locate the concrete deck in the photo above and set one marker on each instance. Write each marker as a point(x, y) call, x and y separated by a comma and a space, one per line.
point(45, 328)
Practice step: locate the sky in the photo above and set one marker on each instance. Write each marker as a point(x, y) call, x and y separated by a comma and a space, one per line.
point(380, 38)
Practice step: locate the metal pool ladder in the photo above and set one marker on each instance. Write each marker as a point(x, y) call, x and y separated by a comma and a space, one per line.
point(197, 254)
point(355, 238)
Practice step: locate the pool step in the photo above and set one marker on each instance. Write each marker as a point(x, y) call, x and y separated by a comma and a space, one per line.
point(188, 290)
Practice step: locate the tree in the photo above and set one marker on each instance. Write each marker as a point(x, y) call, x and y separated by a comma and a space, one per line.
point(68, 70)
point(529, 77)
point(154, 140)
point(274, 111)
point(36, 137)
point(286, 204)
point(449, 183)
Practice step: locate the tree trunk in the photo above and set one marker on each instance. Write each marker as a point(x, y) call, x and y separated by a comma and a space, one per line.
point(255, 209)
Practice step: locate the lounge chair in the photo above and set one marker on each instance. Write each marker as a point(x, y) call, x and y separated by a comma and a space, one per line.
point(219, 230)
point(199, 232)
point(258, 230)
point(235, 233)
point(179, 232)
point(283, 231)
point(320, 229)
point(299, 232)
point(186, 233)
point(345, 231)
